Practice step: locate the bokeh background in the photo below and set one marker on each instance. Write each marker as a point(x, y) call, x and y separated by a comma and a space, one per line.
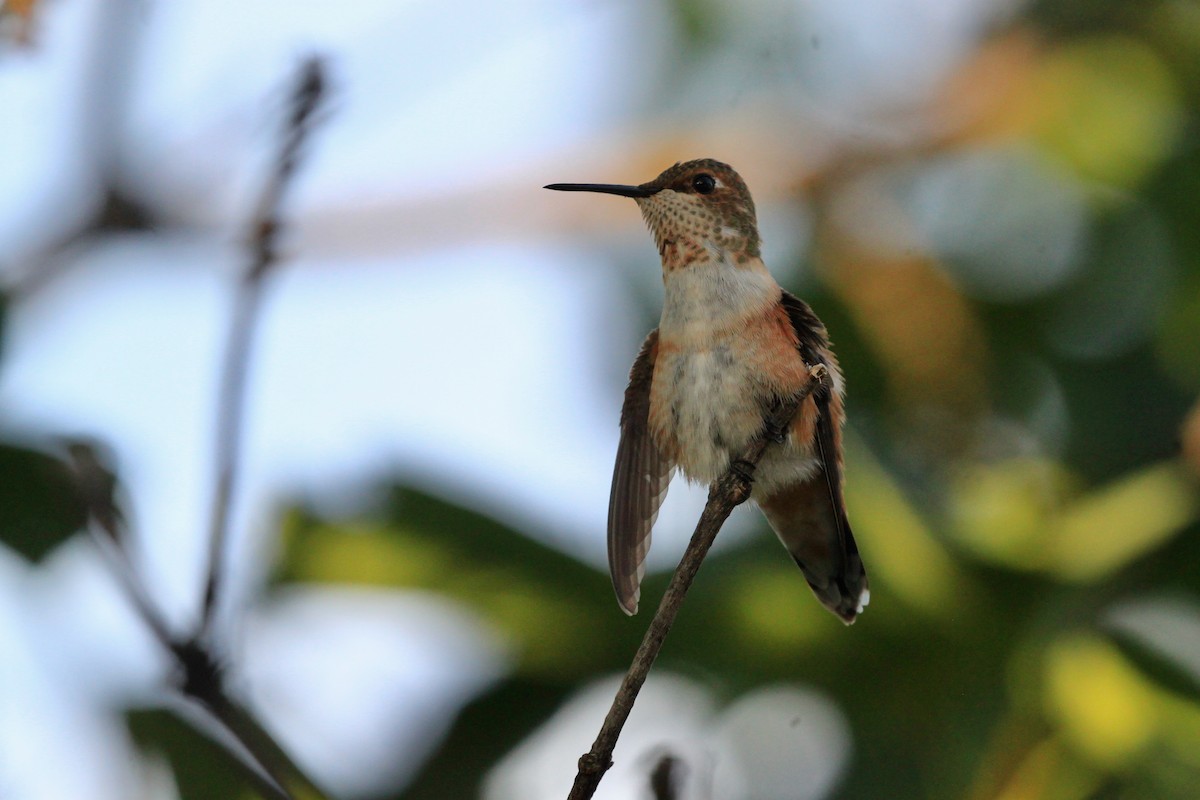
point(991, 203)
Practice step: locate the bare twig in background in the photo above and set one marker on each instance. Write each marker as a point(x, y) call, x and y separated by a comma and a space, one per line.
point(95, 486)
point(200, 675)
point(261, 760)
point(264, 235)
point(202, 681)
point(107, 72)
point(729, 491)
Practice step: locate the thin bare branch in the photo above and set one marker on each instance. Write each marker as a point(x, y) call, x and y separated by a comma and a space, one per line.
point(260, 759)
point(200, 675)
point(245, 726)
point(264, 234)
point(726, 493)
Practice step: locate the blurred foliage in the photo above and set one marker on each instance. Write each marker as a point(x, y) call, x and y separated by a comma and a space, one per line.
point(40, 507)
point(1023, 513)
point(202, 769)
point(1167, 673)
point(699, 20)
point(1013, 460)
point(476, 744)
point(950, 644)
point(1111, 108)
point(533, 594)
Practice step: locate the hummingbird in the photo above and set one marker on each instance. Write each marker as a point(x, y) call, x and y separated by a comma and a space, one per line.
point(731, 345)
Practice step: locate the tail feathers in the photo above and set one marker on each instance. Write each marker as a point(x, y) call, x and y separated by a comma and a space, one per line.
point(845, 592)
point(819, 539)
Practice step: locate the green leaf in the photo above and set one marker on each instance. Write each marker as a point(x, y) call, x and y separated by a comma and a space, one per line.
point(1164, 671)
point(486, 730)
point(1158, 636)
point(558, 611)
point(701, 22)
point(203, 770)
point(39, 505)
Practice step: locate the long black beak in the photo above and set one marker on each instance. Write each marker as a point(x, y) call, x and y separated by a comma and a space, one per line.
point(605, 188)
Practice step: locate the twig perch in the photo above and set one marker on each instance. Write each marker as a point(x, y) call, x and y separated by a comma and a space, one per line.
point(264, 235)
point(729, 491)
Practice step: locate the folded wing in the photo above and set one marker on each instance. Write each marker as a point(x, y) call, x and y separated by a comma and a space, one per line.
point(640, 480)
point(810, 517)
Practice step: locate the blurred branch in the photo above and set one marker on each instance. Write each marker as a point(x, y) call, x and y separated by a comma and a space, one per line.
point(726, 493)
point(666, 777)
point(200, 675)
point(202, 680)
point(258, 756)
point(109, 203)
point(265, 227)
point(94, 484)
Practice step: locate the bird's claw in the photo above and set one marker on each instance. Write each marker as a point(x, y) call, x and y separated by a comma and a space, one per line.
point(743, 469)
point(818, 372)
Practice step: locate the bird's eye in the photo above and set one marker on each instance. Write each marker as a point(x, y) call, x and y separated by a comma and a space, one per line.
point(704, 183)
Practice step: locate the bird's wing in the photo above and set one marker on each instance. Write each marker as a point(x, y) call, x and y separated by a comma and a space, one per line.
point(825, 546)
point(640, 480)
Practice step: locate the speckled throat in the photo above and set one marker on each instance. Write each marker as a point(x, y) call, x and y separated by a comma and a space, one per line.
point(688, 226)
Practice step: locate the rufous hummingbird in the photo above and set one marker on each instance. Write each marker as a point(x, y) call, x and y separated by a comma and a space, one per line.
point(730, 346)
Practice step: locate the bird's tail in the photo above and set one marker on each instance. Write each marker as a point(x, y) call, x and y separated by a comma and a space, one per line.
point(818, 536)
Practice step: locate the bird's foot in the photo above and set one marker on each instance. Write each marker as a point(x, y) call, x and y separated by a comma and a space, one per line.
point(743, 469)
point(737, 483)
point(775, 431)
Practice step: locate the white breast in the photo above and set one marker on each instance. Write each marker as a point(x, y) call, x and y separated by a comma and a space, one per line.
point(710, 408)
point(710, 396)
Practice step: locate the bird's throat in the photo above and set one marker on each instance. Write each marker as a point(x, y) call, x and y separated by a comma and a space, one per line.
point(712, 298)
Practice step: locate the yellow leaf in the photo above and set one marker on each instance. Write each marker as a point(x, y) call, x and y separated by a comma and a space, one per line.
point(1103, 706)
point(897, 545)
point(1115, 524)
point(1000, 510)
point(1109, 107)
